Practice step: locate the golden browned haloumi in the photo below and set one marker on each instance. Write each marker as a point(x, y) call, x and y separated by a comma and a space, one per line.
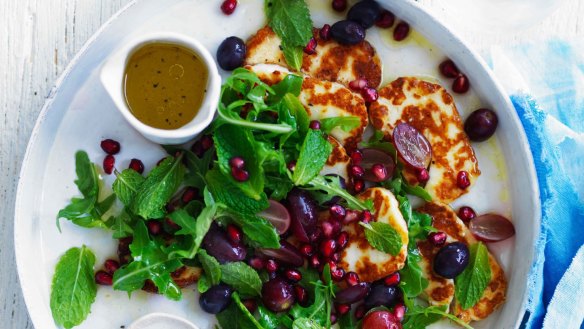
point(338, 162)
point(359, 256)
point(332, 61)
point(429, 108)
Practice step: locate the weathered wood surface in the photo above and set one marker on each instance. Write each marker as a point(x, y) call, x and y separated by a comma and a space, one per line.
point(38, 38)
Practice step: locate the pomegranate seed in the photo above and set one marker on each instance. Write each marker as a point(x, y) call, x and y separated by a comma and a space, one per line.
point(271, 266)
point(358, 84)
point(343, 240)
point(171, 225)
point(250, 304)
point(207, 140)
point(358, 185)
point(189, 195)
point(352, 278)
point(316, 235)
point(401, 31)
point(154, 227)
point(343, 309)
point(293, 275)
point(352, 216)
point(423, 176)
point(111, 266)
point(315, 261)
point(380, 172)
point(136, 165)
point(357, 171)
point(306, 250)
point(460, 84)
point(257, 263)
point(315, 125)
point(462, 179)
point(301, 295)
point(339, 5)
point(334, 318)
point(310, 48)
point(356, 157)
point(234, 233)
point(369, 94)
point(338, 274)
point(237, 162)
point(325, 32)
point(448, 69)
point(327, 229)
point(399, 311)
point(332, 265)
point(437, 238)
point(110, 146)
point(337, 212)
point(385, 20)
point(197, 149)
point(108, 164)
point(228, 6)
point(239, 175)
point(360, 312)
point(366, 216)
point(103, 278)
point(328, 247)
point(466, 213)
point(392, 280)
point(336, 257)
point(291, 165)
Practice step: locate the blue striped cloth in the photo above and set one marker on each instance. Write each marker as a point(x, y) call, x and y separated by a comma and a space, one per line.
point(546, 84)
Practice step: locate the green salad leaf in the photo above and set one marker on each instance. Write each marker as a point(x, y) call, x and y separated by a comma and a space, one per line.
point(73, 289)
point(412, 280)
point(314, 152)
point(126, 185)
point(470, 285)
point(383, 237)
point(330, 186)
point(305, 323)
point(225, 192)
point(346, 124)
point(211, 267)
point(197, 229)
point(242, 277)
point(419, 317)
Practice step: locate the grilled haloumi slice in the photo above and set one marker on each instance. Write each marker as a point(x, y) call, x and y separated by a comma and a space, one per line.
point(359, 256)
point(429, 108)
point(338, 162)
point(440, 290)
point(332, 61)
point(322, 99)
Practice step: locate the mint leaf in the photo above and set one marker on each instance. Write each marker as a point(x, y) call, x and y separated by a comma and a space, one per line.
point(258, 230)
point(242, 278)
point(292, 102)
point(197, 228)
point(291, 84)
point(314, 152)
point(268, 319)
point(73, 289)
point(87, 178)
point(122, 225)
point(470, 285)
point(203, 284)
point(383, 237)
point(211, 267)
point(161, 183)
point(293, 56)
point(225, 192)
point(126, 185)
point(346, 124)
point(304, 323)
point(417, 190)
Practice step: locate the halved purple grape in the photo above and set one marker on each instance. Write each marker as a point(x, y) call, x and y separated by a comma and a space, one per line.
point(491, 228)
point(303, 212)
point(278, 295)
point(278, 215)
point(218, 245)
point(372, 157)
point(412, 146)
point(287, 254)
point(353, 294)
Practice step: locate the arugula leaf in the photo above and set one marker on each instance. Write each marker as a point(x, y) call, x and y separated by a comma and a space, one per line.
point(245, 311)
point(418, 317)
point(197, 167)
point(305, 323)
point(196, 228)
point(268, 319)
point(126, 185)
point(346, 124)
point(331, 186)
point(234, 318)
point(314, 152)
point(472, 282)
point(73, 288)
point(122, 225)
point(291, 84)
point(242, 278)
point(412, 281)
point(320, 310)
point(161, 183)
point(292, 102)
point(211, 267)
point(417, 191)
point(383, 237)
point(348, 321)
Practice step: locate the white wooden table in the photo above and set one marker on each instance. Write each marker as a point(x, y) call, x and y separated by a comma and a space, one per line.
point(38, 39)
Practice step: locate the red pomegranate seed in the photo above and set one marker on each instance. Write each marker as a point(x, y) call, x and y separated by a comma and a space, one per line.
point(325, 32)
point(315, 261)
point(336, 257)
point(399, 311)
point(328, 247)
point(301, 295)
point(250, 304)
point(369, 94)
point(315, 125)
point(310, 48)
point(111, 266)
point(234, 233)
point(110, 146)
point(343, 309)
point(103, 278)
point(327, 229)
point(360, 312)
point(352, 216)
point(293, 275)
point(342, 240)
point(136, 165)
point(154, 227)
point(171, 224)
point(239, 175)
point(423, 176)
point(189, 195)
point(306, 250)
point(385, 20)
point(358, 185)
point(271, 266)
point(460, 84)
point(448, 69)
point(237, 162)
point(437, 239)
point(332, 265)
point(338, 274)
point(466, 213)
point(366, 216)
point(207, 140)
point(339, 5)
point(356, 157)
point(337, 212)
point(334, 318)
point(108, 164)
point(352, 278)
point(380, 172)
point(392, 280)
point(358, 84)
point(357, 171)
point(291, 165)
point(257, 263)
point(316, 235)
point(462, 179)
point(401, 31)
point(228, 6)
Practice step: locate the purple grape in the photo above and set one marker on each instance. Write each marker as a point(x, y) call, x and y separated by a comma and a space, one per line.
point(303, 210)
point(218, 245)
point(287, 254)
point(365, 13)
point(216, 299)
point(353, 294)
point(278, 295)
point(481, 124)
point(347, 32)
point(451, 260)
point(382, 295)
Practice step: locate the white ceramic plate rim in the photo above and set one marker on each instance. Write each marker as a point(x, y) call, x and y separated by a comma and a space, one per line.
point(412, 12)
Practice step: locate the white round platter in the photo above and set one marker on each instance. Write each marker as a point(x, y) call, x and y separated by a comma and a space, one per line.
point(78, 115)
